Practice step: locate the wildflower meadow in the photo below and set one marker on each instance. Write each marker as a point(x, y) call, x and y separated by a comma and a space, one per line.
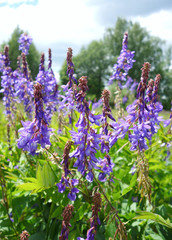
point(72, 168)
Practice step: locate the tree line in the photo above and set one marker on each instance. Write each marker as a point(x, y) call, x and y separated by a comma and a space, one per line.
point(96, 60)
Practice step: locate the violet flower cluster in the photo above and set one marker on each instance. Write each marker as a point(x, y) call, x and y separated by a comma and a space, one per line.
point(49, 86)
point(7, 83)
point(37, 131)
point(52, 89)
point(142, 120)
point(65, 181)
point(86, 138)
point(2, 58)
point(124, 63)
point(25, 42)
point(68, 99)
point(24, 86)
point(106, 165)
point(97, 104)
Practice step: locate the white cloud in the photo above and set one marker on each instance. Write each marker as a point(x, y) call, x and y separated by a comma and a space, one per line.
point(51, 21)
point(15, 1)
point(68, 23)
point(158, 24)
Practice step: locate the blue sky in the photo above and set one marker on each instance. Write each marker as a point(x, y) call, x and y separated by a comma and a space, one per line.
point(17, 3)
point(59, 24)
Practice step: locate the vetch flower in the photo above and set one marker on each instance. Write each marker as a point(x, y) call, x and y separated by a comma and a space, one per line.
point(86, 138)
point(124, 63)
point(49, 86)
point(7, 84)
point(65, 181)
point(25, 42)
point(24, 86)
point(68, 99)
point(2, 58)
point(106, 164)
point(37, 131)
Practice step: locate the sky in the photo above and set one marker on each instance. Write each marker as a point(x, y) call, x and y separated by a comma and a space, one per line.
point(59, 24)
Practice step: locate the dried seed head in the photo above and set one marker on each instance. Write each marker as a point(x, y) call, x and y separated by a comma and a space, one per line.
point(83, 84)
point(69, 55)
point(67, 214)
point(38, 92)
point(105, 99)
point(24, 235)
point(6, 60)
point(156, 87)
point(67, 149)
point(145, 72)
point(144, 77)
point(24, 66)
point(49, 58)
point(42, 60)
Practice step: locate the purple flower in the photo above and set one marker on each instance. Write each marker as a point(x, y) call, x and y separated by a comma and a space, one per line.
point(97, 104)
point(66, 182)
point(25, 42)
point(142, 120)
point(24, 87)
point(68, 100)
point(50, 88)
point(7, 84)
point(89, 176)
point(11, 216)
point(133, 170)
point(124, 63)
point(37, 131)
point(125, 99)
point(2, 63)
point(135, 199)
point(61, 186)
point(128, 83)
point(133, 86)
point(72, 194)
point(86, 138)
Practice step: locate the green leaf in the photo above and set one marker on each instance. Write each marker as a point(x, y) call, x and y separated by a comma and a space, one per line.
point(45, 176)
point(154, 217)
point(57, 213)
point(39, 176)
point(37, 236)
point(30, 187)
point(48, 176)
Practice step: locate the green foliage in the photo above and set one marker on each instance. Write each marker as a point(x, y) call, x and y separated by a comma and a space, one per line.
point(37, 205)
point(31, 201)
point(155, 217)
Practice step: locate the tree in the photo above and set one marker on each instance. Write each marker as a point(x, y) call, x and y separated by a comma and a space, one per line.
point(91, 62)
point(33, 58)
point(147, 48)
point(97, 59)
